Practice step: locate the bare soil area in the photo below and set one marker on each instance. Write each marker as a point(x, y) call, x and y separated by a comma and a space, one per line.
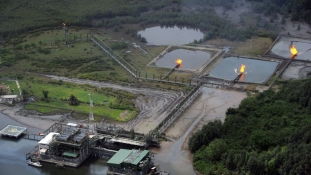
point(241, 7)
point(217, 101)
point(32, 120)
point(212, 104)
point(291, 28)
point(296, 70)
point(234, 14)
point(153, 104)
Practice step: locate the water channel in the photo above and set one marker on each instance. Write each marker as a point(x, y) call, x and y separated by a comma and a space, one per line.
point(256, 71)
point(191, 60)
point(170, 35)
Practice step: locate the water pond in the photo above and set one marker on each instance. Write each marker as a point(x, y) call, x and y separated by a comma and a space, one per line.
point(191, 60)
point(256, 71)
point(170, 35)
point(281, 48)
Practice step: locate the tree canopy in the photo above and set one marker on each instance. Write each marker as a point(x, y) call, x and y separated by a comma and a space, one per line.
point(266, 134)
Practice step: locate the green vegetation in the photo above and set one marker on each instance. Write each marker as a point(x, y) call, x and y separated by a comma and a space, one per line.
point(20, 16)
point(267, 134)
point(23, 16)
point(116, 14)
point(32, 35)
point(55, 96)
point(45, 52)
point(118, 45)
point(299, 10)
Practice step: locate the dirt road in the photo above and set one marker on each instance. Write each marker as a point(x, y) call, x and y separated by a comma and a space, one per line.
point(153, 104)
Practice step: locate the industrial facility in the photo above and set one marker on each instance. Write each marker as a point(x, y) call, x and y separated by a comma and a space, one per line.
point(130, 162)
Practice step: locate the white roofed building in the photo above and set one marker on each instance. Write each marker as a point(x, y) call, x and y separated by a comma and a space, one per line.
point(44, 143)
point(8, 98)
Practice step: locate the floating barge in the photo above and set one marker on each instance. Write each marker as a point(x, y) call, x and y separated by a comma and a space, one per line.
point(130, 162)
point(70, 144)
point(133, 162)
point(13, 131)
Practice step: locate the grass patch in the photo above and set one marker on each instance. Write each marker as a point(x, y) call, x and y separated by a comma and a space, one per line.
point(11, 86)
point(59, 94)
point(250, 47)
point(45, 109)
point(253, 47)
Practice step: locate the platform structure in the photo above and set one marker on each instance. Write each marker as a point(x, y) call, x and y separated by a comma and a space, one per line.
point(130, 162)
point(12, 131)
point(128, 141)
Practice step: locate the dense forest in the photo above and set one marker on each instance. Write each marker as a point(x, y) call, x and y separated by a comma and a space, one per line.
point(16, 17)
point(299, 9)
point(22, 16)
point(266, 134)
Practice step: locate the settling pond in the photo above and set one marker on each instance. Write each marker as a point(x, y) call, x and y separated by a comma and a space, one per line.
point(256, 71)
point(191, 60)
point(170, 35)
point(281, 48)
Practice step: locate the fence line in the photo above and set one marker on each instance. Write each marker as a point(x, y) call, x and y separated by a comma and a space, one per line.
point(137, 74)
point(179, 109)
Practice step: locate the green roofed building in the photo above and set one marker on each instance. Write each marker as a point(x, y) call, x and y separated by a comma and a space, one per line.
point(130, 162)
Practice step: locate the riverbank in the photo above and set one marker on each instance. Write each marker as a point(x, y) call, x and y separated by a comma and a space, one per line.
point(31, 120)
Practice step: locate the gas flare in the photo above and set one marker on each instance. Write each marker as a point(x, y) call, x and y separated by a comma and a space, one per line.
point(242, 77)
point(293, 51)
point(178, 62)
point(242, 68)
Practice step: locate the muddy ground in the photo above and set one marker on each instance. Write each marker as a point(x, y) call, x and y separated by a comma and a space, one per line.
point(242, 8)
point(297, 70)
point(212, 104)
point(153, 104)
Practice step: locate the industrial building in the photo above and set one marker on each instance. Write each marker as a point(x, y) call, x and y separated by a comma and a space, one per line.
point(69, 146)
point(133, 162)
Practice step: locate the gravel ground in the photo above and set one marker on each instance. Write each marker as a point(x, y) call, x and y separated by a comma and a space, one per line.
point(296, 70)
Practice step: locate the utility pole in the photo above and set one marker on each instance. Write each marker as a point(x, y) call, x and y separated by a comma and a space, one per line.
point(65, 32)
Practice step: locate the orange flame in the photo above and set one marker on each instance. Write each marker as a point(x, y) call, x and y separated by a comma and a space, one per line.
point(64, 24)
point(242, 68)
point(293, 51)
point(178, 62)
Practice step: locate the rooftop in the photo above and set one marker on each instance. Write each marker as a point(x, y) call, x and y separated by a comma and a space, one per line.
point(117, 159)
point(127, 156)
